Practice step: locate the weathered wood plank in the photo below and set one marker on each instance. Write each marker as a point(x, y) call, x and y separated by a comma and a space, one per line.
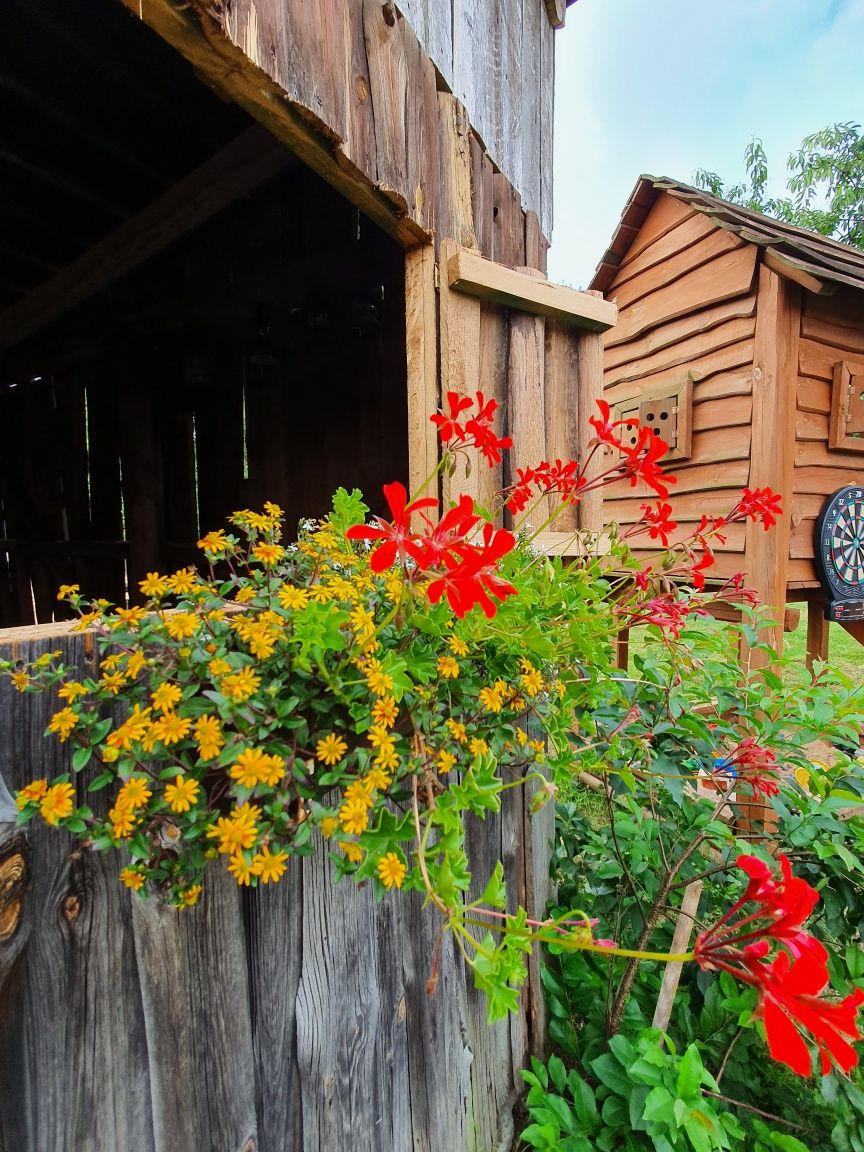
point(526, 411)
point(460, 372)
point(725, 413)
point(666, 214)
point(722, 384)
point(531, 80)
point(454, 211)
point(721, 361)
point(689, 231)
point(421, 345)
point(818, 360)
point(562, 388)
point(492, 380)
point(720, 279)
point(669, 335)
point(685, 351)
point(713, 245)
point(547, 121)
point(814, 395)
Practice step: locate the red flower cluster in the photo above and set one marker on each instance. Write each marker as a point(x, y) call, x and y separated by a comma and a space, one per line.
point(755, 766)
point(639, 460)
point(563, 479)
point(658, 522)
point(475, 431)
point(757, 504)
point(465, 571)
point(790, 985)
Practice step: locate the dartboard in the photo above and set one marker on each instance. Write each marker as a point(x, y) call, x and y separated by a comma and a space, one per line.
point(840, 552)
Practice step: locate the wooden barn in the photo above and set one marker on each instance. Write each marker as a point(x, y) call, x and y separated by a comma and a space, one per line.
point(741, 340)
point(245, 245)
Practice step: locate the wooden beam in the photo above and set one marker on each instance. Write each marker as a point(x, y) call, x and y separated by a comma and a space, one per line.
point(474, 274)
point(194, 29)
point(556, 10)
point(238, 169)
point(421, 350)
point(855, 628)
point(817, 632)
point(785, 266)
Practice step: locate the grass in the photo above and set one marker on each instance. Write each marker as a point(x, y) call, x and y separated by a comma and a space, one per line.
point(845, 653)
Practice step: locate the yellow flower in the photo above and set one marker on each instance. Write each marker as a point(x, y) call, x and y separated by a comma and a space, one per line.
point(112, 682)
point(170, 728)
point(133, 729)
point(273, 510)
point(110, 662)
point(128, 617)
point(269, 865)
point(268, 555)
point(166, 696)
point(241, 869)
point(85, 620)
point(380, 683)
point(531, 679)
point(360, 791)
point(261, 641)
point(218, 667)
point(328, 826)
point(353, 851)
point(239, 686)
point(154, 585)
point(134, 793)
point(377, 778)
point(215, 543)
point(67, 591)
point(182, 794)
point(72, 690)
point(378, 736)
point(274, 771)
point(57, 803)
point(250, 768)
point(63, 722)
point(30, 793)
point(362, 623)
point(478, 747)
point(181, 625)
point(183, 581)
point(457, 730)
point(387, 758)
point(132, 879)
point(448, 667)
point(123, 820)
point(190, 895)
point(20, 679)
point(391, 871)
point(385, 711)
point(135, 663)
point(110, 754)
point(245, 594)
point(330, 749)
point(521, 737)
point(457, 647)
point(291, 598)
point(354, 816)
point(445, 760)
point(490, 699)
point(208, 737)
point(238, 831)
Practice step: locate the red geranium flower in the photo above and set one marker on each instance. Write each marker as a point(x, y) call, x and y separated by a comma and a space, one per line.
point(449, 426)
point(473, 579)
point(475, 432)
point(398, 539)
point(758, 504)
point(640, 462)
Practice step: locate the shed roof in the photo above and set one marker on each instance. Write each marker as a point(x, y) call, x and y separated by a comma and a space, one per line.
point(813, 260)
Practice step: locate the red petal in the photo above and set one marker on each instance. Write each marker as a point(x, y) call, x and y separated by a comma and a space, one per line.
point(784, 1040)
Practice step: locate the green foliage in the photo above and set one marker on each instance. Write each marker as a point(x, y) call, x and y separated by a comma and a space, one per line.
point(826, 184)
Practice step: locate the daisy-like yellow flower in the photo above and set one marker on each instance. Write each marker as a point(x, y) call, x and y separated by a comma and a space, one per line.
point(531, 678)
point(457, 647)
point(521, 737)
point(329, 825)
point(478, 747)
point(63, 722)
point(128, 618)
point(134, 793)
point(181, 625)
point(445, 761)
point(330, 749)
point(354, 816)
point(134, 664)
point(166, 697)
point(154, 586)
point(241, 869)
point(112, 682)
point(190, 896)
point(379, 736)
point(377, 778)
point(208, 736)
point(214, 543)
point(391, 871)
point(132, 879)
point(268, 555)
point(274, 512)
point(170, 728)
point(457, 730)
point(245, 595)
point(31, 792)
point(490, 699)
point(380, 683)
point(360, 791)
point(262, 641)
point(183, 581)
point(71, 691)
point(250, 767)
point(133, 729)
point(269, 866)
point(447, 667)
point(109, 754)
point(123, 821)
point(85, 620)
point(182, 794)
point(240, 685)
point(385, 711)
point(292, 598)
point(237, 831)
point(20, 680)
point(57, 803)
point(109, 663)
point(274, 771)
point(352, 851)
point(218, 667)
point(362, 623)
point(387, 758)
point(67, 591)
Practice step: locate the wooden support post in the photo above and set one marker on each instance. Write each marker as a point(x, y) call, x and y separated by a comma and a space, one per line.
point(590, 359)
point(421, 348)
point(680, 940)
point(817, 632)
point(622, 649)
point(775, 378)
point(526, 401)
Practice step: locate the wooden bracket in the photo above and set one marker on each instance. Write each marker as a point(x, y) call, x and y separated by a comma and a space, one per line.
point(556, 10)
point(846, 426)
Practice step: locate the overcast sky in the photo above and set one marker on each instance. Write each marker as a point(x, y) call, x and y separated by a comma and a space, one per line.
point(669, 86)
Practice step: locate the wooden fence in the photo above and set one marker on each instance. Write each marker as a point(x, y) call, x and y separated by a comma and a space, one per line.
point(287, 1019)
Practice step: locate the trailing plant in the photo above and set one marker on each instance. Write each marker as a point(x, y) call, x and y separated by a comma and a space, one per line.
point(374, 684)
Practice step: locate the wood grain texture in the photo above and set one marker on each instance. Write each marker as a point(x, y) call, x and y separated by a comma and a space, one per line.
point(670, 335)
point(684, 351)
point(711, 246)
point(294, 1018)
point(421, 346)
point(526, 399)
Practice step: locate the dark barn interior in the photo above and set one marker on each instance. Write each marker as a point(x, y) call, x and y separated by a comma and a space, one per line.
point(190, 320)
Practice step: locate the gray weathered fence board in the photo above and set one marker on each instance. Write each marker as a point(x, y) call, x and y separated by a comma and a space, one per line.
point(293, 1018)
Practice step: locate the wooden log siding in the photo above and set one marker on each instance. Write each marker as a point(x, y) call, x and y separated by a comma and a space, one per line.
point(291, 1019)
point(830, 330)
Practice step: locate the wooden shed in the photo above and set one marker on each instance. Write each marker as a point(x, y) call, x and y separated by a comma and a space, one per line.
point(245, 245)
point(739, 339)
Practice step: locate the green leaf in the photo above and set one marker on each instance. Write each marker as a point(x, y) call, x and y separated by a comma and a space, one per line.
point(557, 1072)
point(348, 510)
point(610, 1074)
point(660, 1106)
point(689, 1072)
point(495, 893)
point(99, 782)
point(81, 758)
